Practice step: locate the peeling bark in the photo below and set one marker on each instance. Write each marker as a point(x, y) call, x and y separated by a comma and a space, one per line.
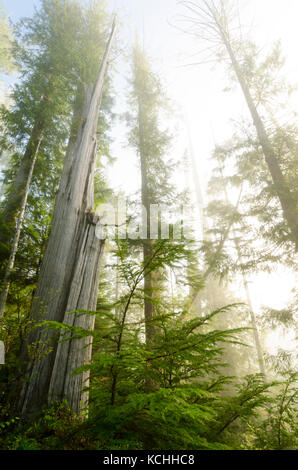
point(69, 273)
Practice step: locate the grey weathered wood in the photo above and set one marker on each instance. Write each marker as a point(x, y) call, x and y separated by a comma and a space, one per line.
point(69, 273)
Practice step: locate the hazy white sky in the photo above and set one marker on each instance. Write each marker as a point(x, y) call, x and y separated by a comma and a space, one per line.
point(199, 90)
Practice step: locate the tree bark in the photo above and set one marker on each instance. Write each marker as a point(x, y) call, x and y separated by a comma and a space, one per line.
point(69, 273)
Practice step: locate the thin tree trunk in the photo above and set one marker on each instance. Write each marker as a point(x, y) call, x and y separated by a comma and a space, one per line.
point(69, 273)
point(149, 311)
point(13, 203)
point(252, 316)
point(147, 243)
point(248, 300)
point(249, 303)
point(289, 207)
point(148, 289)
point(195, 299)
point(287, 201)
point(15, 243)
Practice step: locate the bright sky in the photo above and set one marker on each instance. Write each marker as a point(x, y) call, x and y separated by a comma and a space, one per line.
point(198, 90)
point(19, 8)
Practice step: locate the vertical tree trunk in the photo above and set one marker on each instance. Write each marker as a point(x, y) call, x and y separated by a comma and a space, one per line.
point(148, 290)
point(13, 203)
point(147, 243)
point(15, 243)
point(69, 273)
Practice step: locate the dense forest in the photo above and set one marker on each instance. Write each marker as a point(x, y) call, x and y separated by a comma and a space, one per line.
point(127, 318)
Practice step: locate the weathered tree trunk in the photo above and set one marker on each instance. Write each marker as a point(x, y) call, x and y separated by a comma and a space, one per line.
point(69, 273)
point(15, 243)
